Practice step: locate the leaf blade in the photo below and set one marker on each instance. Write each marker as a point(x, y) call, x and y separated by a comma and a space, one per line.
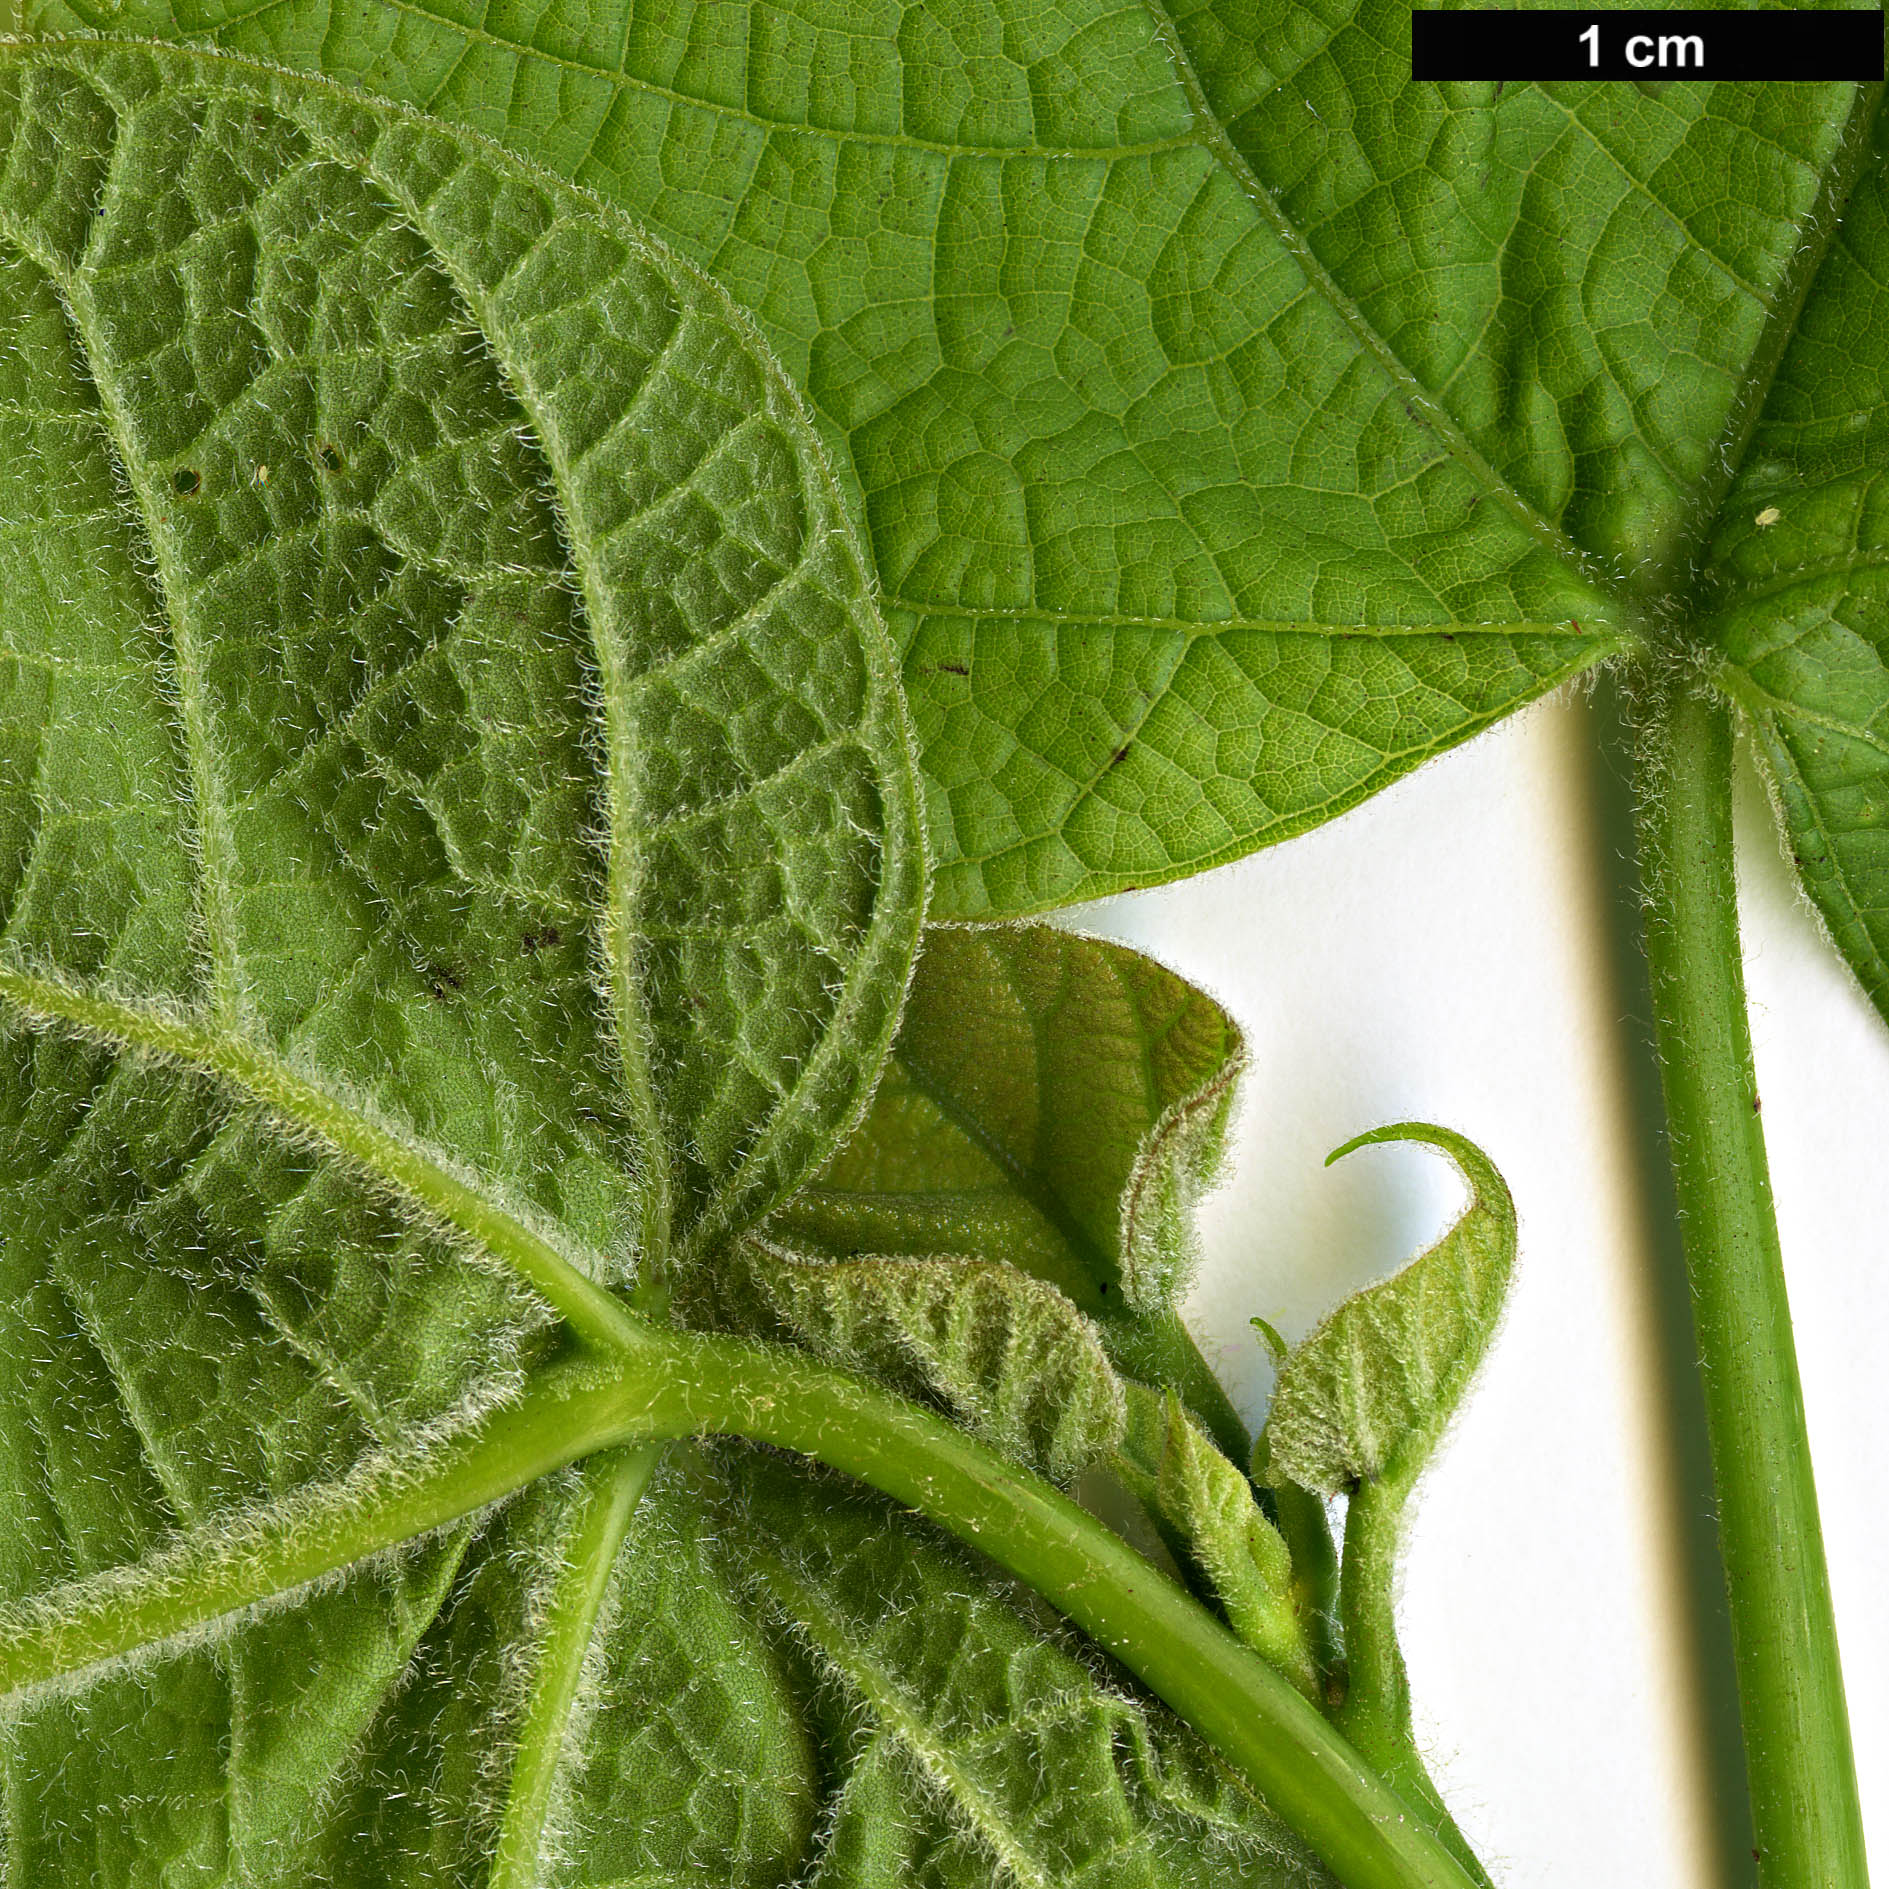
point(306, 1070)
point(1136, 491)
point(318, 487)
point(1794, 609)
point(1364, 1399)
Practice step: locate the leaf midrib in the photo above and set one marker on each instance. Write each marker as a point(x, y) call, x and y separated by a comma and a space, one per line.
point(1195, 627)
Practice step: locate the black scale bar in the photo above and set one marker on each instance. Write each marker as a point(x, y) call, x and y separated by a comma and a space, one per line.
point(1646, 43)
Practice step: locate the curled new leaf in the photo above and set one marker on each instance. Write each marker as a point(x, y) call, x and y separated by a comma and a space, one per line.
point(1367, 1395)
point(1056, 1103)
point(1054, 1100)
point(1205, 1507)
point(1008, 1355)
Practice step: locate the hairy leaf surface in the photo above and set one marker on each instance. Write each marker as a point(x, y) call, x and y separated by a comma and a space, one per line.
point(1182, 416)
point(1365, 1397)
point(1007, 1354)
point(1238, 424)
point(461, 848)
point(984, 1745)
point(1055, 1104)
point(1205, 1507)
point(425, 602)
point(460, 845)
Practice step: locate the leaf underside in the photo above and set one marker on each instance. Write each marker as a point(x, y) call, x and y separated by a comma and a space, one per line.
point(1237, 424)
point(425, 606)
point(444, 826)
point(1233, 426)
point(1179, 559)
point(1066, 1132)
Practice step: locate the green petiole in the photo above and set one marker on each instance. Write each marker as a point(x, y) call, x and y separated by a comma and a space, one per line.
point(1798, 1757)
point(659, 1383)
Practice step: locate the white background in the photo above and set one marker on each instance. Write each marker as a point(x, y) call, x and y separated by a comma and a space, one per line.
point(1449, 952)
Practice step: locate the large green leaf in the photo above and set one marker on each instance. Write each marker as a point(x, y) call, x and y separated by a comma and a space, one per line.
point(1221, 458)
point(1237, 423)
point(1797, 598)
point(423, 600)
point(460, 846)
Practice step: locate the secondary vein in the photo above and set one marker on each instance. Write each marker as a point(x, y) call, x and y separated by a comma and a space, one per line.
point(612, 1485)
point(425, 1175)
point(215, 847)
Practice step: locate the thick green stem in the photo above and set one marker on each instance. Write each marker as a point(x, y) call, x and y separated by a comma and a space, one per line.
point(658, 1383)
point(1797, 1740)
point(1376, 1711)
point(1252, 1716)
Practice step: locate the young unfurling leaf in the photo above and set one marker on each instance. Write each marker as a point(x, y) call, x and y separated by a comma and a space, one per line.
point(1205, 1508)
point(1359, 1409)
point(1365, 1398)
point(1006, 1354)
point(1058, 1104)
